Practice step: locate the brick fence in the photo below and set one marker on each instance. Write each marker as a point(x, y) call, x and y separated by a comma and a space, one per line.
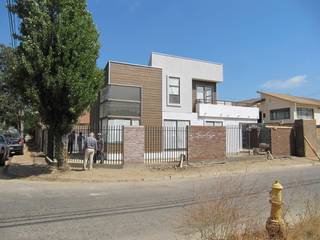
point(282, 142)
point(206, 143)
point(133, 147)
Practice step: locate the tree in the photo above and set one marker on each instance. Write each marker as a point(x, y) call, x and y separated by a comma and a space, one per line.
point(13, 110)
point(56, 62)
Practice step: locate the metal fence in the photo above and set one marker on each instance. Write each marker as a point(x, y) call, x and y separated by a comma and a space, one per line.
point(244, 137)
point(111, 145)
point(165, 144)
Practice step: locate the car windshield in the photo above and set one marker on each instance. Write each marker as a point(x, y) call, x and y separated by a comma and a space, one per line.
point(12, 135)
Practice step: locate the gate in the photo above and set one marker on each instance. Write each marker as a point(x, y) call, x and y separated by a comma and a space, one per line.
point(112, 147)
point(165, 144)
point(245, 137)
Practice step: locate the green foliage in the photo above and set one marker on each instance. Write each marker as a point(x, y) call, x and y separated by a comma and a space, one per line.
point(12, 107)
point(56, 59)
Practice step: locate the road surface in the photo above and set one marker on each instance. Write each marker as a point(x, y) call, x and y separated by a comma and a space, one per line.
point(141, 210)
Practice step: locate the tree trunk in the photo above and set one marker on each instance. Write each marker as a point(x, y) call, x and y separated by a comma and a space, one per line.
point(59, 152)
point(50, 143)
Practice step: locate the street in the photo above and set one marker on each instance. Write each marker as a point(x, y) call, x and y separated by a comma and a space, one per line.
point(129, 210)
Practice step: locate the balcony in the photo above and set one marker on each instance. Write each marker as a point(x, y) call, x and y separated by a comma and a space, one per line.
point(226, 109)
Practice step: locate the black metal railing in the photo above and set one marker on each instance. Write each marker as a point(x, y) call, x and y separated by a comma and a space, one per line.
point(165, 144)
point(110, 144)
point(223, 102)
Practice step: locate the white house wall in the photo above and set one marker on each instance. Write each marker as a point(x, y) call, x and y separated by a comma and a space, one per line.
point(185, 69)
point(228, 111)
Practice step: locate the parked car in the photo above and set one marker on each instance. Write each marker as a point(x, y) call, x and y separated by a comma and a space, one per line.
point(15, 142)
point(4, 150)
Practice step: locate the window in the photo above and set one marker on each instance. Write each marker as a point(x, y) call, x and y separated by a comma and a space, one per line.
point(119, 108)
point(214, 123)
point(280, 114)
point(123, 101)
point(175, 136)
point(204, 94)
point(173, 90)
point(305, 113)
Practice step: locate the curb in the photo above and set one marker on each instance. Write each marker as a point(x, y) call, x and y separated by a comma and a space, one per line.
point(56, 178)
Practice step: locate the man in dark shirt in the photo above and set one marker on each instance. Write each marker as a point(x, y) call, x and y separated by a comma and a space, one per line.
point(100, 145)
point(71, 139)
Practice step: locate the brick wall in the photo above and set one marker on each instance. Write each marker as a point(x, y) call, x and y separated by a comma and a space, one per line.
point(133, 145)
point(206, 143)
point(306, 128)
point(281, 141)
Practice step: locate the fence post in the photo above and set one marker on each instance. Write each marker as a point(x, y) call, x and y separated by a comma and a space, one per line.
point(275, 224)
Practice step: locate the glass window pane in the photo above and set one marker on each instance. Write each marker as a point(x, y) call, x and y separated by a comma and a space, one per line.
point(183, 124)
point(120, 93)
point(174, 99)
point(135, 122)
point(169, 123)
point(119, 122)
point(115, 108)
point(174, 90)
point(200, 92)
point(174, 82)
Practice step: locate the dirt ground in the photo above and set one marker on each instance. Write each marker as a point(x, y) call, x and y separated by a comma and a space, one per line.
point(31, 166)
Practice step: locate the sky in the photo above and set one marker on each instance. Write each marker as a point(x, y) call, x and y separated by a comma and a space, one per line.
point(268, 45)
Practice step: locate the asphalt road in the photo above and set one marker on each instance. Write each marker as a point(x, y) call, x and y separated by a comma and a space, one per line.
point(141, 210)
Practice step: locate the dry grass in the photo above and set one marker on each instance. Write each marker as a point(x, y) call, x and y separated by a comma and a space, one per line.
point(227, 217)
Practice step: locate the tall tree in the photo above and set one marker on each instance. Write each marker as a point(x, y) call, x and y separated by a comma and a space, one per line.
point(57, 53)
point(11, 104)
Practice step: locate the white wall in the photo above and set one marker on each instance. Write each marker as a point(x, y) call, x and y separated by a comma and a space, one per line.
point(228, 111)
point(186, 69)
point(200, 121)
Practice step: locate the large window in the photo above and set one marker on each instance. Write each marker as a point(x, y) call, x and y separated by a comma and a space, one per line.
point(204, 94)
point(305, 113)
point(280, 114)
point(173, 90)
point(123, 101)
point(175, 134)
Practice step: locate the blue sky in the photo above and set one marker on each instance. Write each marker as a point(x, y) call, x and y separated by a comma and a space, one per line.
point(269, 44)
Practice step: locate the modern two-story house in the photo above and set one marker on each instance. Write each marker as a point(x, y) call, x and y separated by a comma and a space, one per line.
point(169, 91)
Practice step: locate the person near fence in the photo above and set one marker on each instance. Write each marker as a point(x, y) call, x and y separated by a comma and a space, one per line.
point(90, 145)
point(100, 148)
point(80, 139)
point(71, 139)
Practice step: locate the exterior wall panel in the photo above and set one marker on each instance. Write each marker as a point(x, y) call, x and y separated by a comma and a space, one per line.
point(149, 79)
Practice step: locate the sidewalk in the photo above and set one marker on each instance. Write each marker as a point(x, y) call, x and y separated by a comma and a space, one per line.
point(33, 167)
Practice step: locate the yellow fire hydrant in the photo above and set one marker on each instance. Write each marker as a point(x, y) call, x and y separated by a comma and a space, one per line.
point(275, 224)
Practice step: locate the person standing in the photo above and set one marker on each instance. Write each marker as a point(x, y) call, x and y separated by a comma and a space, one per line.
point(80, 142)
point(100, 145)
point(71, 139)
point(90, 145)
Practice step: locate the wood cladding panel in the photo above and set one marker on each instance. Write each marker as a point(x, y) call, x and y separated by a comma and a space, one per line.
point(149, 79)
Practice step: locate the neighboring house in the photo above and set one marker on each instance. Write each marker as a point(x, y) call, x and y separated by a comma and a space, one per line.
point(285, 109)
point(170, 91)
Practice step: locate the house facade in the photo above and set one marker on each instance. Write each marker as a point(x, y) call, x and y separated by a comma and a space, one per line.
point(285, 109)
point(170, 91)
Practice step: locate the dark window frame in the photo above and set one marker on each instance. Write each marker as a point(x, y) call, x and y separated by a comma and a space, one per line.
point(275, 114)
point(204, 98)
point(300, 109)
